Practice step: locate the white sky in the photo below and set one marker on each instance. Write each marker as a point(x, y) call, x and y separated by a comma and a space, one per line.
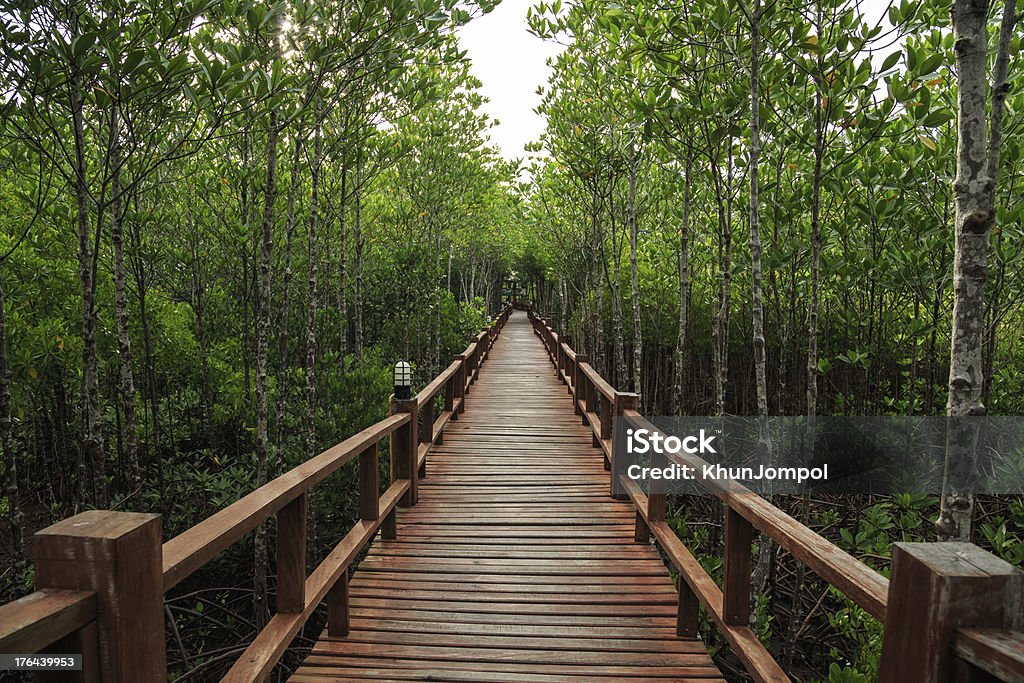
point(509, 60)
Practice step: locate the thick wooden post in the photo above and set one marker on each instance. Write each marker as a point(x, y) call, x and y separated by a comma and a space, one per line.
point(338, 607)
point(736, 569)
point(405, 449)
point(117, 555)
point(935, 588)
point(620, 404)
point(291, 556)
point(369, 484)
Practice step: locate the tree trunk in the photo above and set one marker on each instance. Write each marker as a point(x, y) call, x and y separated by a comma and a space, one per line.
point(124, 346)
point(262, 614)
point(754, 157)
point(638, 339)
point(286, 280)
point(92, 437)
point(360, 243)
point(820, 121)
point(342, 274)
point(311, 305)
point(15, 515)
point(684, 289)
point(974, 189)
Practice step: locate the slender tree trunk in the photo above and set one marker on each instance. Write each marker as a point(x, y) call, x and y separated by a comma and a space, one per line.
point(92, 437)
point(753, 161)
point(263, 454)
point(286, 280)
point(813, 305)
point(342, 266)
point(311, 305)
point(638, 339)
point(15, 516)
point(684, 289)
point(124, 346)
point(974, 189)
point(359, 244)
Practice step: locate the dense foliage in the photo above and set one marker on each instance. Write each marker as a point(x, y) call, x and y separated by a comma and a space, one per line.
point(224, 220)
point(749, 208)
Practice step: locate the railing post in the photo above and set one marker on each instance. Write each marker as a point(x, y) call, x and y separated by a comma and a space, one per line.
point(338, 607)
point(687, 610)
point(460, 387)
point(604, 406)
point(291, 556)
point(657, 503)
point(935, 588)
point(623, 401)
point(118, 556)
point(579, 384)
point(736, 570)
point(405, 450)
point(426, 431)
point(369, 484)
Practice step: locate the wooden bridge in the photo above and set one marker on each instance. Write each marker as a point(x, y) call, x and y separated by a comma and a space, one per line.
point(507, 547)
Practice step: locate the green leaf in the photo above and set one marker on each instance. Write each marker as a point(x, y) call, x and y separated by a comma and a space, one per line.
point(891, 60)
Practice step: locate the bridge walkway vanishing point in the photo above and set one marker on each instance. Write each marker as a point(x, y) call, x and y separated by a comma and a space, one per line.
point(515, 564)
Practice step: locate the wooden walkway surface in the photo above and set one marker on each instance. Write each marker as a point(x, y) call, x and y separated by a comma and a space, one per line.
point(515, 565)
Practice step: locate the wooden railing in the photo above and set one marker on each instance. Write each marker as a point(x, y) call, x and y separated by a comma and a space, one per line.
point(951, 611)
point(101, 576)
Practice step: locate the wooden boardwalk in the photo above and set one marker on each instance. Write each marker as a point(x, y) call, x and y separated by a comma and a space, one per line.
point(515, 565)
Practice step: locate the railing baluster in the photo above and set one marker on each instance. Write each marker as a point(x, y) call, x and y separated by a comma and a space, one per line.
point(426, 430)
point(687, 610)
point(291, 556)
point(622, 402)
point(405, 450)
point(736, 569)
point(579, 384)
point(460, 385)
point(369, 484)
point(338, 607)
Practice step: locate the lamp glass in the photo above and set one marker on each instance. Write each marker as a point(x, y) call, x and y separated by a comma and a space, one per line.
point(402, 379)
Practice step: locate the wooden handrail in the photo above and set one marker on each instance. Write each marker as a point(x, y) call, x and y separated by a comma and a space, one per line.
point(39, 619)
point(997, 652)
point(103, 574)
point(190, 550)
point(929, 572)
point(859, 582)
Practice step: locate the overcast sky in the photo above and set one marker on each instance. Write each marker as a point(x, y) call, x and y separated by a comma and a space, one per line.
point(510, 63)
